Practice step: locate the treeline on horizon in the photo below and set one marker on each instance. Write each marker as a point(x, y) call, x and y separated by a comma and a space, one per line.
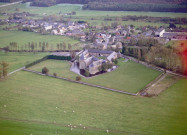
point(9, 0)
point(118, 5)
point(111, 6)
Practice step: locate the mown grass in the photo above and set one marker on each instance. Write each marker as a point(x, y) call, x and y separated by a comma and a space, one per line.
point(22, 38)
point(129, 76)
point(31, 97)
point(18, 60)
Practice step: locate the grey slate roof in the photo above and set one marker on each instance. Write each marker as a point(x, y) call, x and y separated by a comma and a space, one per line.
point(99, 51)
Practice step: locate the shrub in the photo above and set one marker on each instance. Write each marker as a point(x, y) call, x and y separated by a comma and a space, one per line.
point(86, 73)
point(78, 78)
point(45, 70)
point(54, 74)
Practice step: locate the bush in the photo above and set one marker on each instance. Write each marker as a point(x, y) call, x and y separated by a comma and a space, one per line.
point(45, 70)
point(116, 61)
point(86, 73)
point(54, 74)
point(78, 78)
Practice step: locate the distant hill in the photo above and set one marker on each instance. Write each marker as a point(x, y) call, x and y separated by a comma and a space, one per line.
point(121, 5)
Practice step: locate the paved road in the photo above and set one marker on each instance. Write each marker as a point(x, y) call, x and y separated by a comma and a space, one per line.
point(10, 4)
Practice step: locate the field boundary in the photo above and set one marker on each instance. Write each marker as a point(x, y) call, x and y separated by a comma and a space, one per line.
point(15, 71)
point(153, 66)
point(154, 82)
point(83, 83)
point(10, 4)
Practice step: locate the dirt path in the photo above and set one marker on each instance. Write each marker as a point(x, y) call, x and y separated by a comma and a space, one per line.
point(16, 71)
point(143, 92)
point(10, 4)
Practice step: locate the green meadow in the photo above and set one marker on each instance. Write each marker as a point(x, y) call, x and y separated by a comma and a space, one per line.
point(67, 8)
point(18, 60)
point(34, 104)
point(129, 76)
point(2, 3)
point(92, 16)
point(22, 38)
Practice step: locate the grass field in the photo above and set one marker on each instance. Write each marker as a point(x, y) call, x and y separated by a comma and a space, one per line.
point(18, 60)
point(130, 76)
point(23, 38)
point(31, 97)
point(86, 15)
point(2, 3)
point(66, 8)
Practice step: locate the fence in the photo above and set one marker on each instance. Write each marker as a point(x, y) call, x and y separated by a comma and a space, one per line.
point(68, 58)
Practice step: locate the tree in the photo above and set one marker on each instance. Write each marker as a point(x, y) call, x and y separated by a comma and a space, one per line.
point(0, 72)
point(58, 46)
point(69, 46)
point(72, 54)
point(64, 46)
point(78, 78)
point(45, 70)
point(73, 13)
point(171, 25)
point(139, 54)
point(116, 61)
point(5, 68)
point(104, 67)
point(54, 74)
point(86, 73)
point(32, 46)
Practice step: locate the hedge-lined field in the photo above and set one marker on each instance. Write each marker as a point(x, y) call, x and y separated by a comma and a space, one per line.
point(32, 97)
point(18, 60)
point(22, 38)
point(129, 76)
point(92, 16)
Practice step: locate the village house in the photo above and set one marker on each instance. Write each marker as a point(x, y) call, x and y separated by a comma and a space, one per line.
point(175, 35)
point(88, 60)
point(160, 32)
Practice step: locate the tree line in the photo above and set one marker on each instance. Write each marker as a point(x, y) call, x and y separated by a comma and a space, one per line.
point(9, 0)
point(166, 57)
point(113, 6)
point(120, 5)
point(4, 66)
point(42, 46)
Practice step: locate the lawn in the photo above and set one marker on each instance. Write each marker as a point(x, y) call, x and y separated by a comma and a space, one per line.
point(35, 105)
point(130, 76)
point(23, 38)
point(18, 60)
